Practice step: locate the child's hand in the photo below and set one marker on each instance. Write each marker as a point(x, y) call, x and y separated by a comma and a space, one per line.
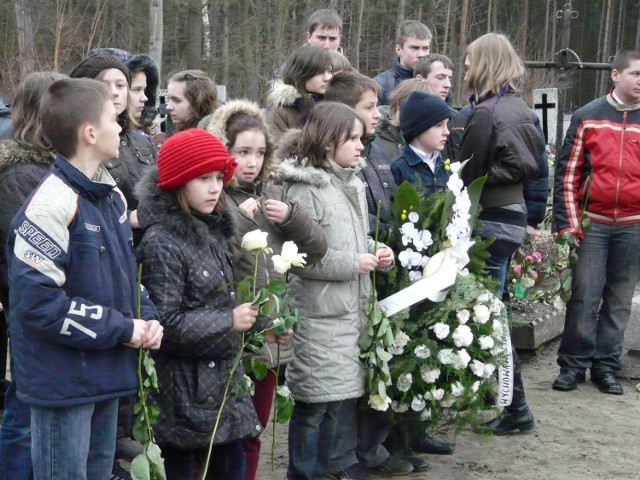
point(368, 263)
point(244, 316)
point(154, 335)
point(250, 206)
point(276, 211)
point(139, 333)
point(385, 255)
point(133, 219)
point(282, 339)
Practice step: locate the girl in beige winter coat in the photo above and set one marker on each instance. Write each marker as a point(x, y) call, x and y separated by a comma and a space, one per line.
point(333, 293)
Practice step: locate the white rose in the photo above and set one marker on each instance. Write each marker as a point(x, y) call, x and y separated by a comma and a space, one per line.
point(404, 382)
point(400, 339)
point(417, 404)
point(462, 359)
point(497, 328)
point(290, 254)
point(422, 351)
point(486, 343)
point(425, 414)
point(399, 407)
point(378, 403)
point(254, 240)
point(437, 393)
point(462, 336)
point(484, 298)
point(446, 356)
point(527, 282)
point(280, 265)
point(394, 350)
point(481, 314)
point(477, 367)
point(441, 330)
point(463, 316)
point(457, 389)
point(496, 306)
point(475, 386)
point(430, 375)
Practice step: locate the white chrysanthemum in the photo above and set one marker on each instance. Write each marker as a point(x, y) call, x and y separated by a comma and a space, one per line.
point(462, 336)
point(462, 359)
point(404, 382)
point(422, 351)
point(481, 314)
point(477, 367)
point(457, 389)
point(399, 407)
point(446, 356)
point(437, 394)
point(441, 330)
point(486, 343)
point(429, 375)
point(418, 404)
point(463, 316)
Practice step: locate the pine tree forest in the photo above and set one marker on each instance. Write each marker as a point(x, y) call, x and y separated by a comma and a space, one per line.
point(241, 42)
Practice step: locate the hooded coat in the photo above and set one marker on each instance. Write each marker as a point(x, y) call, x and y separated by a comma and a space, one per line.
point(299, 228)
point(186, 266)
point(331, 293)
point(287, 110)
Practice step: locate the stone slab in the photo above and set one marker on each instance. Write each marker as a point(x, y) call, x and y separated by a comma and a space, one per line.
point(632, 334)
point(630, 366)
point(535, 333)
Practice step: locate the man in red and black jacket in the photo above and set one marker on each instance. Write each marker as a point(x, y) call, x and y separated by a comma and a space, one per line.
point(598, 173)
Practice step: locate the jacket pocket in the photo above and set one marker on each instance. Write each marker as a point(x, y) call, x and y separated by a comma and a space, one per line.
point(336, 299)
point(144, 155)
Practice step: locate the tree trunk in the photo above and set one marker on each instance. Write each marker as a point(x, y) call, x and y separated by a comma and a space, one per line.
point(545, 51)
point(225, 42)
point(462, 45)
point(25, 38)
point(155, 33)
point(489, 12)
point(446, 29)
point(525, 27)
point(358, 35)
point(194, 34)
point(606, 44)
point(402, 4)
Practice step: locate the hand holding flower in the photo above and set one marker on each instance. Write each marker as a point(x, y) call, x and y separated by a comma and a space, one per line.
point(244, 316)
point(367, 264)
point(385, 257)
point(276, 211)
point(283, 339)
point(250, 206)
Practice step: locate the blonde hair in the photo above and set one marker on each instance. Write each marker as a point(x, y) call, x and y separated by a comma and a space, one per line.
point(493, 63)
point(402, 92)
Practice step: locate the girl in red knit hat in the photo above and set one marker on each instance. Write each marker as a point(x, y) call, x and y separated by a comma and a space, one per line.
point(186, 267)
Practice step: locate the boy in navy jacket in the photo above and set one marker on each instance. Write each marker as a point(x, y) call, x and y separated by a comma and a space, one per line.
point(73, 291)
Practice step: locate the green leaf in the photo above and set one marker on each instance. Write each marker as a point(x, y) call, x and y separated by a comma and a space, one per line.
point(154, 454)
point(277, 287)
point(260, 370)
point(382, 390)
point(365, 342)
point(475, 190)
point(384, 356)
point(284, 410)
point(140, 468)
point(243, 290)
point(140, 432)
point(405, 198)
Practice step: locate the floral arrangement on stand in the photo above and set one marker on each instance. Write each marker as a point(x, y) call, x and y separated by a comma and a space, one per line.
point(273, 305)
point(437, 358)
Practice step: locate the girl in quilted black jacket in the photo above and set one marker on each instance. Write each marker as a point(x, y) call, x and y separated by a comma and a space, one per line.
point(187, 269)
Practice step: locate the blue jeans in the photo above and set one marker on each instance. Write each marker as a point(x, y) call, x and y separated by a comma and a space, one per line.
point(312, 438)
point(598, 312)
point(498, 268)
point(74, 443)
point(15, 438)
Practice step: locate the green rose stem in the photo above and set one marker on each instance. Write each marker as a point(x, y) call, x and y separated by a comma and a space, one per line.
point(275, 410)
point(142, 352)
point(227, 386)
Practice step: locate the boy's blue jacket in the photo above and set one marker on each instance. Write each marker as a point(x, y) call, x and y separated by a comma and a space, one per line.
point(73, 284)
point(411, 167)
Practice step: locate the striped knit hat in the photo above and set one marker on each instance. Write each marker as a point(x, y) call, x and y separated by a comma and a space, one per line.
point(191, 154)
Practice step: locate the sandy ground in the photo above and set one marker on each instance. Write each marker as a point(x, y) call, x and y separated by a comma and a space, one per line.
point(579, 435)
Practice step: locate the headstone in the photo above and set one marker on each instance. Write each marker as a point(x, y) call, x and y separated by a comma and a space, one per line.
point(545, 104)
point(632, 334)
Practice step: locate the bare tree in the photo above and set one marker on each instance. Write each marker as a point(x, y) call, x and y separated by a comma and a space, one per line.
point(402, 4)
point(358, 34)
point(194, 33)
point(462, 43)
point(156, 26)
point(25, 37)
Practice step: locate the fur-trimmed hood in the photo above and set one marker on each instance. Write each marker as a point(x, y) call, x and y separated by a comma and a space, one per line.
point(157, 206)
point(144, 63)
point(217, 124)
point(11, 153)
point(283, 95)
point(292, 171)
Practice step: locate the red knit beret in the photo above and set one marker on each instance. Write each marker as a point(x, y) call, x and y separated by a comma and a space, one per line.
point(191, 154)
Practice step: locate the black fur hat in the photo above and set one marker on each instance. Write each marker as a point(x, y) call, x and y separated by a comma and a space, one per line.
point(144, 63)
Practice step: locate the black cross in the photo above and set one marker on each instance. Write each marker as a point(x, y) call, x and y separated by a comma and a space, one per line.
point(544, 106)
